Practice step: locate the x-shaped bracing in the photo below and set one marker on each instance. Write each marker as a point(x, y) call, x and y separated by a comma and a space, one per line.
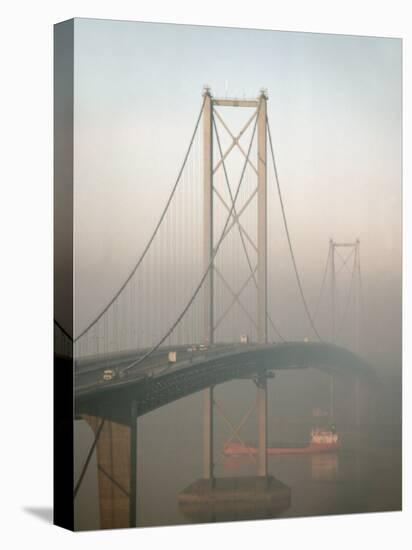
point(345, 261)
point(235, 215)
point(235, 297)
point(235, 430)
point(235, 141)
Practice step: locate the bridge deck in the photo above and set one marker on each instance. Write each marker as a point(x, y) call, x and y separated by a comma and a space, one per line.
point(157, 381)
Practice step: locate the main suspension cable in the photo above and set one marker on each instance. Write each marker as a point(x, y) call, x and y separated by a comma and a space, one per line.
point(156, 229)
point(209, 267)
point(311, 321)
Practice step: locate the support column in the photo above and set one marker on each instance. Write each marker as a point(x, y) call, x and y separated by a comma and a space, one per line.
point(262, 279)
point(114, 472)
point(262, 223)
point(357, 402)
point(333, 289)
point(208, 434)
point(333, 303)
point(208, 283)
point(372, 405)
point(208, 214)
point(262, 466)
point(133, 467)
point(357, 295)
point(332, 398)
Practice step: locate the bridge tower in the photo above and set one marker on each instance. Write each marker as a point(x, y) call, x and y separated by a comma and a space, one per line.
point(209, 169)
point(339, 317)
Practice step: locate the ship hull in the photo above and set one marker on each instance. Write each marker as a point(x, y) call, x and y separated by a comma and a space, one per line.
point(236, 449)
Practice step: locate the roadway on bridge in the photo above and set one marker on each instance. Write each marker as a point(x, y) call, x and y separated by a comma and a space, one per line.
point(157, 381)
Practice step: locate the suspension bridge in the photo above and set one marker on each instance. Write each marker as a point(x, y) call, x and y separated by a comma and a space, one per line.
point(196, 308)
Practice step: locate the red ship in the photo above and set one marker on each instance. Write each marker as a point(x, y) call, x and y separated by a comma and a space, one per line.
point(321, 441)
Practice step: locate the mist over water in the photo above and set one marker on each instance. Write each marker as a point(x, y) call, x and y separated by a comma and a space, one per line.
point(365, 476)
point(334, 111)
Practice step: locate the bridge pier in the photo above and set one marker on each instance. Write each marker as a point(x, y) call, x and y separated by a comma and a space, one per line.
point(133, 467)
point(233, 498)
point(208, 430)
point(262, 302)
point(262, 466)
point(117, 471)
point(208, 465)
point(332, 398)
point(357, 402)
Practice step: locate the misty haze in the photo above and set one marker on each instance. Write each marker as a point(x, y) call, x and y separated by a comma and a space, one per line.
point(237, 283)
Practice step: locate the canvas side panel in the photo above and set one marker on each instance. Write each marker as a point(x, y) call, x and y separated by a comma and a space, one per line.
point(63, 275)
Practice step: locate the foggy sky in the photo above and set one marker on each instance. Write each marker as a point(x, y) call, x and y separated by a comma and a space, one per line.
point(335, 114)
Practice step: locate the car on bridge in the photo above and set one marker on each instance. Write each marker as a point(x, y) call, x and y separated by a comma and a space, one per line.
point(108, 375)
